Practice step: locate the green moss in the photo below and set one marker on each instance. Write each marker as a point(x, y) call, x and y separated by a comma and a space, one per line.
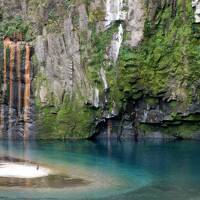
point(151, 101)
point(67, 3)
point(40, 80)
point(178, 129)
point(16, 25)
point(69, 120)
point(98, 48)
point(165, 67)
point(96, 15)
point(166, 60)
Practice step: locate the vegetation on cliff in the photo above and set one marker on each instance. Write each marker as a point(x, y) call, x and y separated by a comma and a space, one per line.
point(159, 77)
point(166, 67)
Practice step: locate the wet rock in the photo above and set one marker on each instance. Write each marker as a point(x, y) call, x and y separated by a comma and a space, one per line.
point(40, 49)
point(135, 22)
point(155, 136)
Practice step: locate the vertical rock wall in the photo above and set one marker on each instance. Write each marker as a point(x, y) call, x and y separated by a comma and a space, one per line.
point(106, 61)
point(16, 104)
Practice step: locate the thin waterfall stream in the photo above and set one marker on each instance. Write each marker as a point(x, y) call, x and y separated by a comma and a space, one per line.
point(16, 89)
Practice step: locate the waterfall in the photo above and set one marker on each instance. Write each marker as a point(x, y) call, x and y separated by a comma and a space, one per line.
point(19, 77)
point(11, 103)
point(116, 44)
point(146, 112)
point(12, 57)
point(114, 111)
point(103, 77)
point(6, 44)
point(114, 11)
point(145, 116)
point(96, 98)
point(196, 6)
point(27, 91)
point(15, 78)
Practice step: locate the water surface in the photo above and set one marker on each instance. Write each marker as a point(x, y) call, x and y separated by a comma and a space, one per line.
point(146, 170)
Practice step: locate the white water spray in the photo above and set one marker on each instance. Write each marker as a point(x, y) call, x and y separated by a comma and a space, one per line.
point(196, 6)
point(103, 77)
point(114, 11)
point(116, 44)
point(96, 97)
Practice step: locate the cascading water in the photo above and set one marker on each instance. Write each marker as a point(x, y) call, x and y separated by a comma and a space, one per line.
point(96, 98)
point(19, 77)
point(103, 77)
point(116, 44)
point(16, 91)
point(114, 11)
point(196, 6)
point(11, 77)
point(27, 92)
point(6, 45)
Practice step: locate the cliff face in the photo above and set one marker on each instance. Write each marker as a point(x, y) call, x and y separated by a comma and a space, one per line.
point(118, 67)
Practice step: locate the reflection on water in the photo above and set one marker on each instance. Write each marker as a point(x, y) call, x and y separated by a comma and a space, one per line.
point(116, 170)
point(51, 181)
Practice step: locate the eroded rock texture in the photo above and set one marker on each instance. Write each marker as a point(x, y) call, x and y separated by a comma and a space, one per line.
point(133, 63)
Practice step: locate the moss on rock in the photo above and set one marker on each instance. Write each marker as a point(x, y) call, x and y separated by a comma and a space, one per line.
point(70, 120)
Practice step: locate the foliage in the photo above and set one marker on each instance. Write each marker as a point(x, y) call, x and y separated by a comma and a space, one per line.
point(15, 25)
point(70, 120)
point(165, 61)
point(67, 3)
point(165, 67)
point(178, 129)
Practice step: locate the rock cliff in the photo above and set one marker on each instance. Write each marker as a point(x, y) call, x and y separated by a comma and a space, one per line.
point(111, 68)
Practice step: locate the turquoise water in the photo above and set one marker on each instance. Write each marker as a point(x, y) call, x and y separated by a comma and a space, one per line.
point(126, 170)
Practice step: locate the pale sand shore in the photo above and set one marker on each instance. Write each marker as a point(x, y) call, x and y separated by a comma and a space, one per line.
point(22, 170)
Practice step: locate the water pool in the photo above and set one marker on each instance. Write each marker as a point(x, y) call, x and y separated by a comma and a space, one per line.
point(146, 170)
